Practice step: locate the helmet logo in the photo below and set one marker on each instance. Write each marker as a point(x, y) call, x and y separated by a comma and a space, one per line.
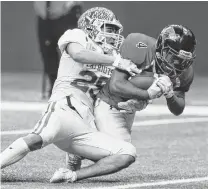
point(141, 45)
point(174, 37)
point(169, 33)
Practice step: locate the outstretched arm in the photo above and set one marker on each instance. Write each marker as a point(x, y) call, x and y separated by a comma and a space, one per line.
point(176, 103)
point(84, 56)
point(175, 99)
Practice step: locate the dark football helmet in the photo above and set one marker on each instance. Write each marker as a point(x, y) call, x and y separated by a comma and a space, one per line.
point(95, 20)
point(175, 50)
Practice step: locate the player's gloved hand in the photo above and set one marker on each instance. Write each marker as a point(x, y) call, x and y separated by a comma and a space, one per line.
point(133, 105)
point(126, 65)
point(154, 90)
point(165, 85)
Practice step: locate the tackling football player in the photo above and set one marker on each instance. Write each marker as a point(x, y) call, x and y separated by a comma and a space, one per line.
point(85, 65)
point(99, 32)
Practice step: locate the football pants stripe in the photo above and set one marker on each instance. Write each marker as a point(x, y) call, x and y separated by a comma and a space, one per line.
point(40, 121)
point(45, 119)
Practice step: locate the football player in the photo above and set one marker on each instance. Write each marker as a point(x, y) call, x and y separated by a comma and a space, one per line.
point(88, 58)
point(98, 32)
point(170, 58)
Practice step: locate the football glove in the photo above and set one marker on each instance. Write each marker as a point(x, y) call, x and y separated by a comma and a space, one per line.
point(133, 105)
point(126, 65)
point(154, 91)
point(165, 85)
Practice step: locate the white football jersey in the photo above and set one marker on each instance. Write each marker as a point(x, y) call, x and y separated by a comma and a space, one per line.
point(80, 80)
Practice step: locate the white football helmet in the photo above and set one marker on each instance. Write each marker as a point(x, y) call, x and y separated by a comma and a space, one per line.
point(95, 21)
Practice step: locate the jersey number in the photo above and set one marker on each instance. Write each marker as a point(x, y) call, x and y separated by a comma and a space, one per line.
point(94, 80)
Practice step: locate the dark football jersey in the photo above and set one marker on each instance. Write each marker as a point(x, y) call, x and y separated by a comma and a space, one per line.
point(186, 79)
point(140, 49)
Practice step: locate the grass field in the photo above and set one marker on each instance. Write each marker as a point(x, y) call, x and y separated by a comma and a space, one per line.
point(172, 151)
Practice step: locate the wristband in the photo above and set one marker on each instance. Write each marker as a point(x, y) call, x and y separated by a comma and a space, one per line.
point(117, 60)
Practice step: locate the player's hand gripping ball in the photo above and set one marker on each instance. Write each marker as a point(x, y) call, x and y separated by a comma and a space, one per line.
point(147, 81)
point(166, 86)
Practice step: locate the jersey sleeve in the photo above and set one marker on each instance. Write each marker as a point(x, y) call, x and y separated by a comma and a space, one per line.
point(72, 36)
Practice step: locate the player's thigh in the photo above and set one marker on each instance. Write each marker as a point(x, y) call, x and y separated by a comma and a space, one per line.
point(73, 125)
point(48, 125)
point(112, 121)
point(59, 123)
point(96, 145)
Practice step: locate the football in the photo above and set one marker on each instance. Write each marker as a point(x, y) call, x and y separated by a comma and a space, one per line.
point(142, 80)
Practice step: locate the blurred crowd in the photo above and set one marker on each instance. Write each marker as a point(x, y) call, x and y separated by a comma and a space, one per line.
point(53, 19)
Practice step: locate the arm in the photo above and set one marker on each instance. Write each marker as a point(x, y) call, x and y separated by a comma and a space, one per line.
point(74, 42)
point(176, 103)
point(119, 85)
point(84, 56)
point(175, 99)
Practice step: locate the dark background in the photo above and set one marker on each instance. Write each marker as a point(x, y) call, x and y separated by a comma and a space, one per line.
point(19, 41)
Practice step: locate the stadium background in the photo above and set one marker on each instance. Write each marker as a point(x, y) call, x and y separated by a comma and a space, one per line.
point(19, 41)
point(172, 150)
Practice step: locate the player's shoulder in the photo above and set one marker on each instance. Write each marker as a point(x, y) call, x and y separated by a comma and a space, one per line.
point(75, 31)
point(186, 79)
point(72, 35)
point(139, 48)
point(187, 75)
point(141, 40)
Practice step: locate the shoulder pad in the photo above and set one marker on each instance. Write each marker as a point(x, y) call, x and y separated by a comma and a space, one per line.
point(72, 36)
point(137, 47)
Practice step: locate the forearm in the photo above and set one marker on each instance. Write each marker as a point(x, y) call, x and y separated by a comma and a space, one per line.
point(91, 57)
point(127, 90)
point(176, 104)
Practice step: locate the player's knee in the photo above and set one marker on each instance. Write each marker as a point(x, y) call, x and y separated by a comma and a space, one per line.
point(130, 150)
point(33, 141)
point(126, 160)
